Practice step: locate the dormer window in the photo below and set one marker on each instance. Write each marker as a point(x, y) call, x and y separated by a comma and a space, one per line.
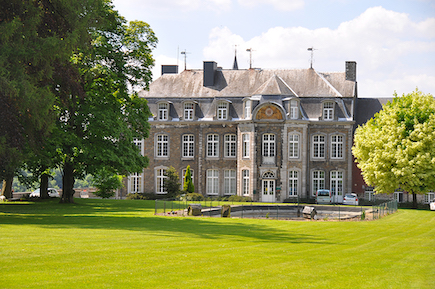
point(189, 109)
point(163, 111)
point(328, 110)
point(248, 109)
point(222, 110)
point(294, 109)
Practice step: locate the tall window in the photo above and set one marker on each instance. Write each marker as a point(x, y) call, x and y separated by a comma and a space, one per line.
point(318, 181)
point(336, 146)
point(293, 146)
point(294, 111)
point(230, 145)
point(328, 110)
point(337, 183)
point(188, 110)
point(138, 143)
point(222, 111)
point(293, 183)
point(245, 176)
point(163, 111)
point(248, 108)
point(268, 145)
point(212, 182)
point(188, 145)
point(160, 176)
point(230, 182)
point(136, 183)
point(245, 145)
point(162, 145)
point(213, 145)
point(318, 146)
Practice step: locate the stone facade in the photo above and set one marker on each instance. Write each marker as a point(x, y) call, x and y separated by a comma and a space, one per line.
point(266, 134)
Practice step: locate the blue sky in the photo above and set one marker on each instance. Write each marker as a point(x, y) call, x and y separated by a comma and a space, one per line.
point(393, 42)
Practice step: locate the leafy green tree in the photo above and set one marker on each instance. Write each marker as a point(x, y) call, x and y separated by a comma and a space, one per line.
point(188, 183)
point(395, 149)
point(171, 182)
point(106, 183)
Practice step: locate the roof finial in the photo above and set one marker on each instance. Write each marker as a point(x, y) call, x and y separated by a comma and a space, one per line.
point(235, 66)
point(312, 55)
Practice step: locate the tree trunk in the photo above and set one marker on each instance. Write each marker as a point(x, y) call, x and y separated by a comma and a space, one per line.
point(43, 188)
point(7, 187)
point(414, 201)
point(68, 183)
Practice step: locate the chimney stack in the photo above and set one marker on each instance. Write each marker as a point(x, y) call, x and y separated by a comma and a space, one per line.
point(351, 70)
point(210, 68)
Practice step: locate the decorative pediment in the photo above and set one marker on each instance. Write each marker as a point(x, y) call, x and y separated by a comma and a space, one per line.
point(269, 111)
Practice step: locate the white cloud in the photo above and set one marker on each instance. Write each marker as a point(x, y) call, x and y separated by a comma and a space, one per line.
point(392, 51)
point(282, 5)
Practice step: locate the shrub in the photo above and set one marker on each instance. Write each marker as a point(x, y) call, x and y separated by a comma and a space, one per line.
point(136, 196)
point(236, 198)
point(194, 197)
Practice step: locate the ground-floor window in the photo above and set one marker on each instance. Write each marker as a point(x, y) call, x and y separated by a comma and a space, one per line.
point(160, 181)
point(429, 197)
point(245, 176)
point(337, 182)
point(212, 182)
point(230, 182)
point(136, 183)
point(292, 183)
point(318, 181)
point(398, 196)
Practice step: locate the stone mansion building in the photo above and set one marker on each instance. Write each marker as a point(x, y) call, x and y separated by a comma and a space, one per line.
point(267, 134)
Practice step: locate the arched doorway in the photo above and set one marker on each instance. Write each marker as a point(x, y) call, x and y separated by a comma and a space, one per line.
point(268, 187)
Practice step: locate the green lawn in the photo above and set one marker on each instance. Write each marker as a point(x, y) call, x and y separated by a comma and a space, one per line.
point(121, 244)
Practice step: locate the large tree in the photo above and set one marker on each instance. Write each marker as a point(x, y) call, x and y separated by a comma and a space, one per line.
point(98, 122)
point(396, 149)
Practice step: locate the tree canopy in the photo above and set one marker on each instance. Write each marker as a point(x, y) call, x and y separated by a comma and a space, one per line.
point(396, 149)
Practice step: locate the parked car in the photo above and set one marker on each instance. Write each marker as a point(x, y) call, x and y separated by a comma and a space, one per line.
point(350, 199)
point(52, 193)
point(323, 197)
point(432, 205)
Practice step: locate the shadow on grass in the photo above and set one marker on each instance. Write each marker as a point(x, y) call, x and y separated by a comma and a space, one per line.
point(137, 216)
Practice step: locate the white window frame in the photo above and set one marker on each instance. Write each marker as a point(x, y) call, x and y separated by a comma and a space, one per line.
point(189, 110)
point(428, 197)
point(230, 145)
point(398, 196)
point(269, 148)
point(230, 183)
point(222, 110)
point(160, 180)
point(336, 182)
point(163, 111)
point(188, 146)
point(294, 109)
point(318, 146)
point(245, 145)
point(248, 111)
point(212, 182)
point(139, 143)
point(317, 181)
point(212, 145)
point(328, 110)
point(162, 145)
point(337, 145)
point(293, 146)
point(246, 181)
point(135, 184)
point(293, 183)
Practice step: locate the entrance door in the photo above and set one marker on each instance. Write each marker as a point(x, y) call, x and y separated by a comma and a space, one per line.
point(268, 191)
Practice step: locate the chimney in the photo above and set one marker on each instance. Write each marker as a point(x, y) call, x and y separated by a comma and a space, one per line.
point(351, 70)
point(169, 69)
point(210, 68)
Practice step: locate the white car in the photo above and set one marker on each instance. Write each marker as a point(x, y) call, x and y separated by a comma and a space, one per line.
point(350, 199)
point(52, 193)
point(432, 205)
